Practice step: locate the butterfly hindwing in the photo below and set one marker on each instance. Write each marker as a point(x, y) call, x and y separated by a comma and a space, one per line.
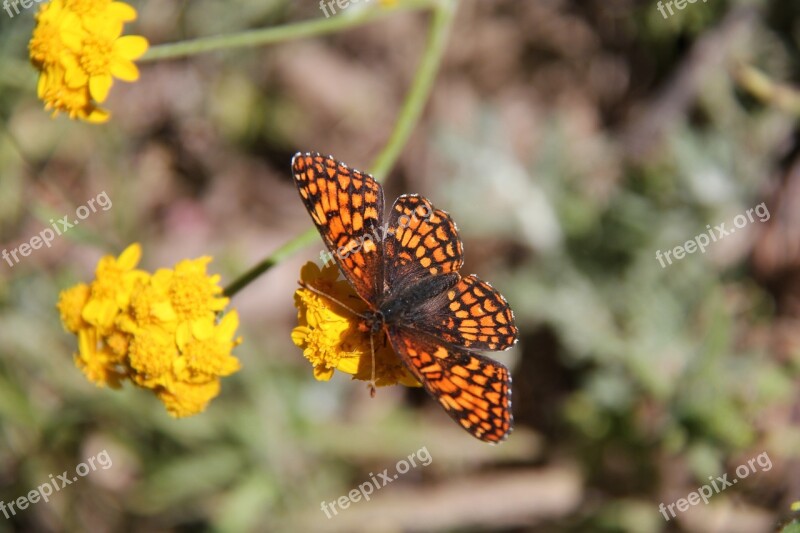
point(473, 315)
point(473, 389)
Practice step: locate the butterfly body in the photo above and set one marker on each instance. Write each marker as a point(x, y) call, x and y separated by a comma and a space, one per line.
point(413, 304)
point(406, 271)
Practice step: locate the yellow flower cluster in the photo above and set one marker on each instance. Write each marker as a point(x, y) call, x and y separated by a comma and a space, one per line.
point(77, 46)
point(332, 338)
point(158, 330)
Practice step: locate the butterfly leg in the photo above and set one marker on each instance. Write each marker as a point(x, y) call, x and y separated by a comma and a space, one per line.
point(371, 383)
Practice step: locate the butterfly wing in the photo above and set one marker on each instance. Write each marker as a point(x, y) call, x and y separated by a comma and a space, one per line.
point(423, 241)
point(420, 241)
point(474, 390)
point(347, 208)
point(472, 314)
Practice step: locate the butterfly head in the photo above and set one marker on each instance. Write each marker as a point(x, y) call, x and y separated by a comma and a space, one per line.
point(373, 322)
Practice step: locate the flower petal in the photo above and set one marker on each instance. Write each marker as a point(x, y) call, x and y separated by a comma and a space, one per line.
point(41, 86)
point(131, 46)
point(322, 373)
point(121, 11)
point(99, 86)
point(130, 257)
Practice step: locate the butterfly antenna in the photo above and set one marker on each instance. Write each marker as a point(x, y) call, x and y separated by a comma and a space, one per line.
point(331, 298)
point(353, 311)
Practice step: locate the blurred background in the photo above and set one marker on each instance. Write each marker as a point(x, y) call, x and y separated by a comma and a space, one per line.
point(570, 140)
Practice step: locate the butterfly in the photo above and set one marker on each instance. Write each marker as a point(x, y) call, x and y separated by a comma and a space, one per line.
point(407, 272)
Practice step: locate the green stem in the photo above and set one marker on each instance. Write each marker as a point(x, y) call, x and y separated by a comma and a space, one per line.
point(444, 11)
point(420, 89)
point(263, 36)
point(276, 257)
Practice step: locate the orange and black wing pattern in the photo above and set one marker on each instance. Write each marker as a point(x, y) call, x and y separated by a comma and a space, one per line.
point(420, 241)
point(408, 273)
point(347, 208)
point(473, 389)
point(473, 315)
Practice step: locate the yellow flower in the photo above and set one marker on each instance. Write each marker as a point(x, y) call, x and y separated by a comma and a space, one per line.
point(332, 338)
point(206, 348)
point(70, 305)
point(78, 47)
point(55, 29)
point(183, 399)
point(150, 355)
point(101, 58)
point(115, 280)
point(77, 103)
point(160, 331)
point(92, 12)
point(101, 366)
point(796, 506)
point(193, 294)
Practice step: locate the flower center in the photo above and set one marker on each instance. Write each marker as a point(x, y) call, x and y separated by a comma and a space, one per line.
point(190, 296)
point(72, 102)
point(86, 8)
point(96, 55)
point(45, 45)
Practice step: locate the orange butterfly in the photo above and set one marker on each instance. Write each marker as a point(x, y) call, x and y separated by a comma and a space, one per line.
point(434, 318)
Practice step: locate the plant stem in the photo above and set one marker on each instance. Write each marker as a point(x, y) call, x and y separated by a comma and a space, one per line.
point(443, 13)
point(420, 89)
point(768, 91)
point(276, 257)
point(299, 30)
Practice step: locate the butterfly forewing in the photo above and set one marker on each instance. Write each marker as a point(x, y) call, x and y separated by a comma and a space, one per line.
point(347, 208)
point(421, 241)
